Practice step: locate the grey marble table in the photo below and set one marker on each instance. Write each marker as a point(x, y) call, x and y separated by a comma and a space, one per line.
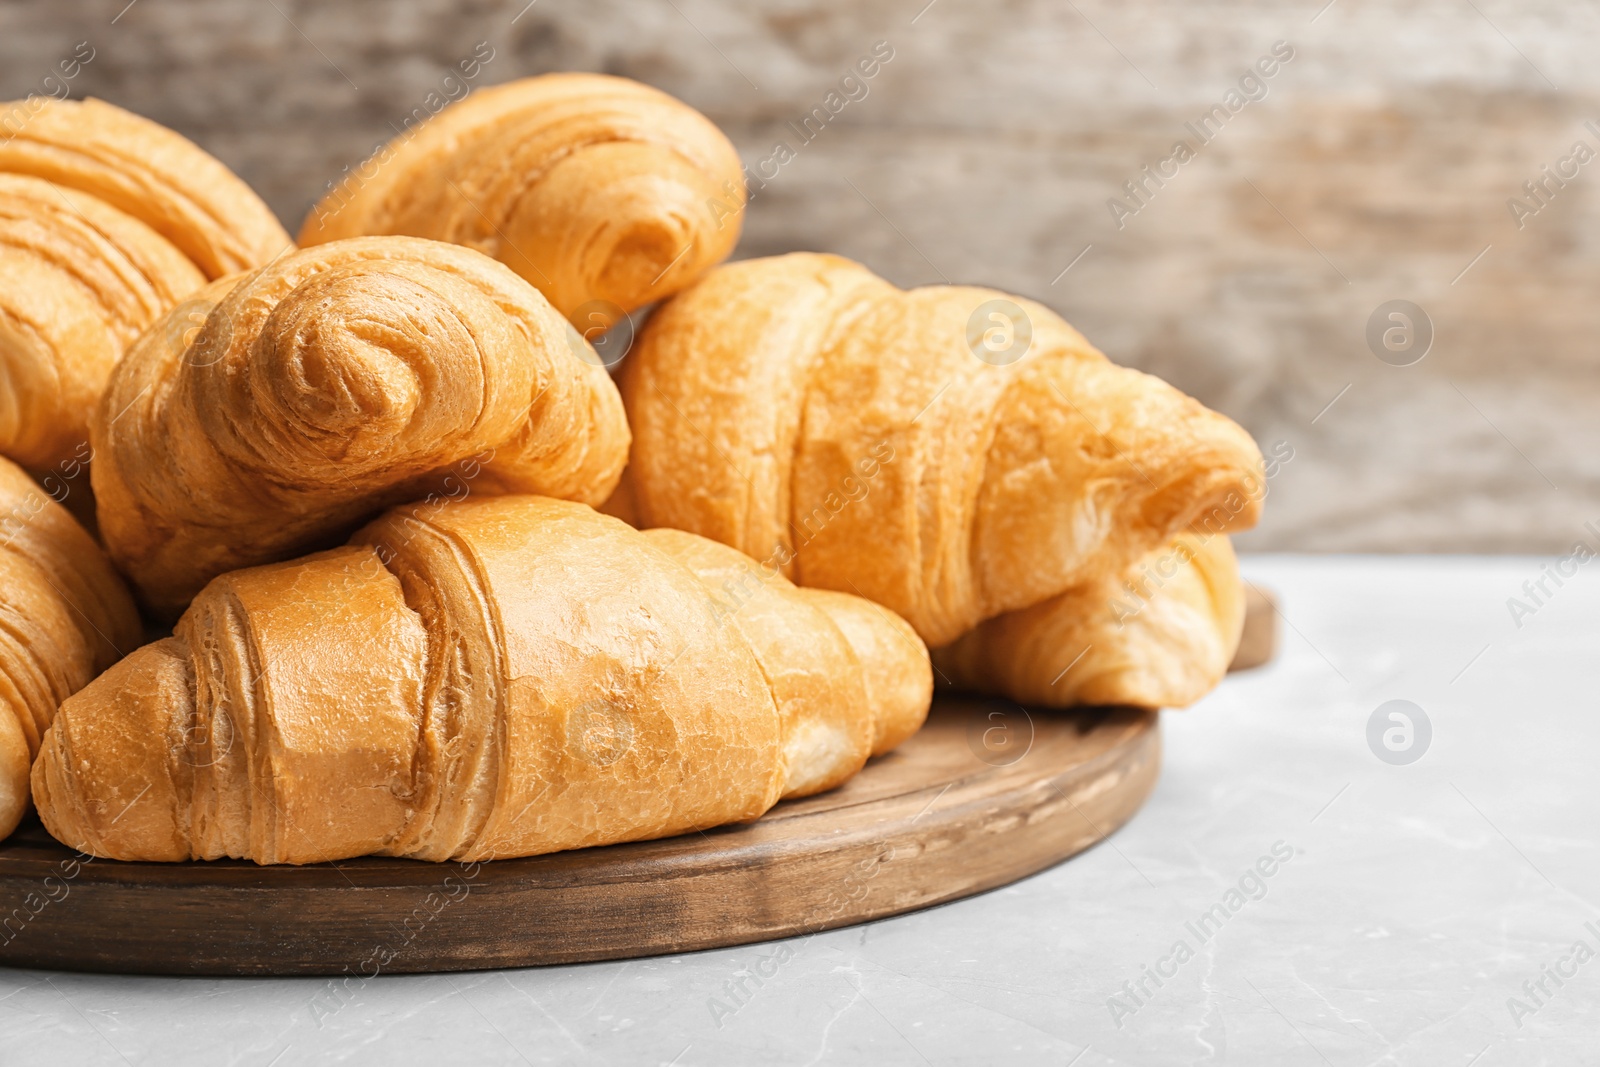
point(1427, 913)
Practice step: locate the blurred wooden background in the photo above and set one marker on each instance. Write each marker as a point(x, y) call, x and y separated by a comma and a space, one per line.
point(1377, 166)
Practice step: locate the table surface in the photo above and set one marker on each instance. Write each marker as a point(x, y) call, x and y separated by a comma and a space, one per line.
point(1416, 903)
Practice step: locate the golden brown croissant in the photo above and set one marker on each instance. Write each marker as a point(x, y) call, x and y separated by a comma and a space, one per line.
point(1161, 634)
point(593, 188)
point(107, 220)
point(333, 382)
point(491, 678)
point(878, 442)
point(64, 617)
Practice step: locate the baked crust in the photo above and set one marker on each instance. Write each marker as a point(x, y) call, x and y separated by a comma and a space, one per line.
point(592, 188)
point(334, 382)
point(490, 678)
point(107, 221)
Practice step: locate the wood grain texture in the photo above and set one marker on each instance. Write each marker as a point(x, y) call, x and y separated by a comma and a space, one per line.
point(986, 794)
point(1378, 166)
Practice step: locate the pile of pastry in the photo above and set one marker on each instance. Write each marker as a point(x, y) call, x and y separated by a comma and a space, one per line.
point(456, 566)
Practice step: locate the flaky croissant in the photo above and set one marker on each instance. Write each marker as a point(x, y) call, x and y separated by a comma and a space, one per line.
point(64, 617)
point(951, 453)
point(491, 678)
point(333, 382)
point(1161, 634)
point(592, 188)
point(107, 220)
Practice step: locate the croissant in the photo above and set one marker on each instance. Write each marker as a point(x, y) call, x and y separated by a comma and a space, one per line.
point(329, 384)
point(472, 680)
point(64, 617)
point(1160, 634)
point(593, 188)
point(951, 453)
point(107, 220)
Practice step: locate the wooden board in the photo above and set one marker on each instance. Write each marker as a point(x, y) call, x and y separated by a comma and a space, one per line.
point(988, 792)
point(1259, 642)
point(985, 794)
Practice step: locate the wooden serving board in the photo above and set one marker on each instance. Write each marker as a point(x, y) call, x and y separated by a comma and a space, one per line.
point(1259, 642)
point(986, 793)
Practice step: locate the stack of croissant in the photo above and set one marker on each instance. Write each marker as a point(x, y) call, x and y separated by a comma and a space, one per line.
point(439, 586)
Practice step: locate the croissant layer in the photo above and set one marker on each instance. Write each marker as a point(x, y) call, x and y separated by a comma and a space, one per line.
point(107, 221)
point(489, 678)
point(894, 445)
point(1160, 634)
point(331, 383)
point(598, 190)
point(64, 617)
